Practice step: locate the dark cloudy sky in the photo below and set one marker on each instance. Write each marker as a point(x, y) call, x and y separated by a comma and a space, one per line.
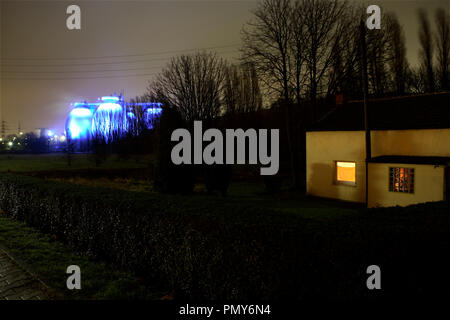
point(44, 66)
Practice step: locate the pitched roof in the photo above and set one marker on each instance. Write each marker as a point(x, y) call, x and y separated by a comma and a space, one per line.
point(425, 111)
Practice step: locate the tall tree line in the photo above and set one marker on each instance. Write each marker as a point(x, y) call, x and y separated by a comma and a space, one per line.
point(300, 52)
point(304, 50)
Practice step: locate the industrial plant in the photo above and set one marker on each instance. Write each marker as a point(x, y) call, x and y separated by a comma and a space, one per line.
point(108, 119)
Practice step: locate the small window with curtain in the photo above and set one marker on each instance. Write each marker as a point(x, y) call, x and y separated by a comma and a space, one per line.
point(346, 172)
point(401, 180)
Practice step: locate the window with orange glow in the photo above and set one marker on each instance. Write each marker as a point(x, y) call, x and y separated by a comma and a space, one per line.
point(401, 180)
point(346, 172)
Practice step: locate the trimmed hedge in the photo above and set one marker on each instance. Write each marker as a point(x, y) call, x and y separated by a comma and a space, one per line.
point(205, 250)
point(199, 256)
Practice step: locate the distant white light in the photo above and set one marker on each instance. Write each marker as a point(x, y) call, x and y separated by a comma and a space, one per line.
point(110, 98)
point(81, 112)
point(49, 133)
point(10, 143)
point(154, 110)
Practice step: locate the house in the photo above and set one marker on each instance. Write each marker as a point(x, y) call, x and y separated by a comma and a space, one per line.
point(410, 151)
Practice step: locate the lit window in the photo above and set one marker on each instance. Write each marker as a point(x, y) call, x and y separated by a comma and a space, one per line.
point(401, 180)
point(346, 172)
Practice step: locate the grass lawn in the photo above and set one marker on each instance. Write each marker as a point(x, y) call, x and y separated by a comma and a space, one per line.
point(338, 238)
point(48, 259)
point(239, 193)
point(58, 161)
point(252, 194)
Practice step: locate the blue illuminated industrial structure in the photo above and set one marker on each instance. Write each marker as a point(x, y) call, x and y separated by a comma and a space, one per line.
point(108, 119)
point(79, 121)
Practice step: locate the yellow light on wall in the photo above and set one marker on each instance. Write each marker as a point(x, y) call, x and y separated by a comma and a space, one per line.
point(346, 172)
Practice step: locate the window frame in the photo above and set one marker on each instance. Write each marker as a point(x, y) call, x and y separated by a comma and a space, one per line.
point(343, 183)
point(411, 180)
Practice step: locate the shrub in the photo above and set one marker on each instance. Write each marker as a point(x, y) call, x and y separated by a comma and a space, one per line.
point(199, 252)
point(206, 250)
point(170, 178)
point(217, 178)
point(273, 183)
point(100, 150)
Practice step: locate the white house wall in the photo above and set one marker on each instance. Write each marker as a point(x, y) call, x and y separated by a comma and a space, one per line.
point(324, 148)
point(428, 185)
point(424, 142)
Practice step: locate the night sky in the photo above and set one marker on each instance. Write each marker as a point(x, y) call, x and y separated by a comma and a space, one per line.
point(45, 66)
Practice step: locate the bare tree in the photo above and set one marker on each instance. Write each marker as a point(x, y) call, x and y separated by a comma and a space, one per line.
point(137, 119)
point(324, 28)
point(255, 91)
point(292, 47)
point(397, 62)
point(232, 89)
point(377, 60)
point(443, 47)
point(344, 74)
point(415, 81)
point(426, 53)
point(193, 85)
point(297, 47)
point(241, 89)
point(267, 41)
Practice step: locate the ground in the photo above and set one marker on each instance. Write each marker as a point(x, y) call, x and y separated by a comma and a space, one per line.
point(391, 236)
point(42, 162)
point(240, 192)
point(18, 284)
point(48, 257)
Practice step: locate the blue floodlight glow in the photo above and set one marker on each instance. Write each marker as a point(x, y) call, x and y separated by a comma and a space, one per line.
point(81, 112)
point(152, 114)
point(109, 119)
point(78, 123)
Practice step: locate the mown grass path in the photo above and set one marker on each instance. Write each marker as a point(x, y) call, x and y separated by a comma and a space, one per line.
point(16, 283)
point(48, 258)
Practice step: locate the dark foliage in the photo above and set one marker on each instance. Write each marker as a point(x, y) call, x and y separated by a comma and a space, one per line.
point(217, 178)
point(100, 150)
point(207, 251)
point(273, 183)
point(171, 178)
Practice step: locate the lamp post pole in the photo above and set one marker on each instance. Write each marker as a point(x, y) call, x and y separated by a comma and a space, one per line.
point(366, 112)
